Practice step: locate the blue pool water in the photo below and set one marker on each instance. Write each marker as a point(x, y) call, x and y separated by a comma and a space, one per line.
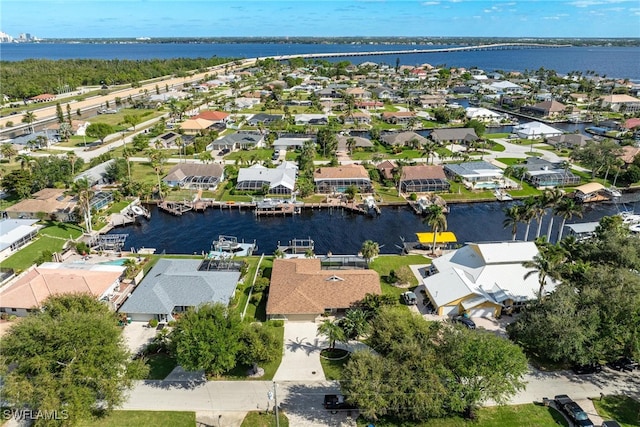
point(115, 262)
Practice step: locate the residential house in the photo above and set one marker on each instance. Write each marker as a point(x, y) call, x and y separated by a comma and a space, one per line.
point(357, 118)
point(311, 119)
point(338, 179)
point(219, 117)
point(478, 175)
point(549, 109)
point(237, 141)
point(167, 139)
point(291, 143)
point(447, 136)
point(263, 118)
point(369, 105)
point(195, 176)
point(483, 115)
point(403, 139)
point(96, 175)
point(301, 290)
point(628, 155)
point(15, 233)
point(28, 291)
point(398, 117)
point(359, 142)
point(432, 101)
point(621, 103)
point(386, 169)
point(383, 93)
point(568, 140)
point(45, 97)
point(195, 126)
point(173, 286)
point(423, 179)
point(543, 174)
point(279, 180)
point(51, 203)
point(480, 279)
point(504, 87)
point(358, 93)
point(535, 130)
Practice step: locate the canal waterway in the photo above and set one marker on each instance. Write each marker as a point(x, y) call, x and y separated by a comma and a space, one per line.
point(332, 230)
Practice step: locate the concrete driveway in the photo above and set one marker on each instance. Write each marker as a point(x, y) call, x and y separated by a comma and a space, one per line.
point(137, 335)
point(301, 358)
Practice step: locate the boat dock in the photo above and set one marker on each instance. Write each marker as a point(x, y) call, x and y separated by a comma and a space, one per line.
point(297, 246)
point(175, 208)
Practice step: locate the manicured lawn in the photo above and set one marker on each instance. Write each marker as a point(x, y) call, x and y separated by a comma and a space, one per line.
point(62, 230)
point(496, 135)
point(529, 415)
point(144, 418)
point(385, 263)
point(388, 194)
point(27, 256)
point(497, 147)
point(160, 365)
point(623, 409)
point(260, 419)
point(333, 368)
point(246, 155)
point(510, 161)
point(116, 207)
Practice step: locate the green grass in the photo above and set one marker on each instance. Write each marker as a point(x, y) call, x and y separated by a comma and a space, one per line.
point(27, 256)
point(496, 135)
point(388, 194)
point(529, 415)
point(385, 263)
point(116, 207)
point(62, 230)
point(160, 365)
point(623, 409)
point(497, 147)
point(260, 419)
point(143, 419)
point(333, 368)
point(245, 155)
point(510, 161)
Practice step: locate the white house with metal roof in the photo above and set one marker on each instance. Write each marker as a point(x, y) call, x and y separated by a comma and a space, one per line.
point(15, 233)
point(535, 130)
point(481, 278)
point(281, 180)
point(175, 285)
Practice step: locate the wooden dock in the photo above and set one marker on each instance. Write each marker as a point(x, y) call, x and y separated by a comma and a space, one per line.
point(282, 209)
point(175, 208)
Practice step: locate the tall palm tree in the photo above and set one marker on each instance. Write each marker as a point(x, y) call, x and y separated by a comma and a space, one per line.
point(566, 209)
point(29, 117)
point(513, 217)
point(437, 220)
point(545, 266)
point(157, 159)
point(332, 331)
point(72, 158)
point(528, 212)
point(552, 199)
point(429, 149)
point(8, 151)
point(369, 250)
point(82, 190)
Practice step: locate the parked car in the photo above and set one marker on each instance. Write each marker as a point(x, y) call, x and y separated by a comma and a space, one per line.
point(589, 368)
point(623, 364)
point(336, 402)
point(409, 298)
point(579, 417)
point(611, 424)
point(465, 321)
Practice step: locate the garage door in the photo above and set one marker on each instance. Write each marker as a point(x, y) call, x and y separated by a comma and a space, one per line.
point(449, 310)
point(481, 312)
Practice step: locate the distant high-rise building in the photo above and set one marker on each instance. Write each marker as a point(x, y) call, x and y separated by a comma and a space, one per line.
point(5, 38)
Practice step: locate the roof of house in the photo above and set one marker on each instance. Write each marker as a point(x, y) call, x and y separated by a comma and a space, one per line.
point(283, 175)
point(454, 134)
point(183, 170)
point(570, 138)
point(551, 106)
point(359, 142)
point(631, 123)
point(423, 172)
point(12, 230)
point(30, 290)
point(629, 153)
point(401, 138)
point(46, 200)
point(493, 270)
point(178, 282)
point(196, 124)
point(478, 168)
point(96, 174)
point(341, 172)
point(621, 98)
point(301, 286)
point(239, 138)
point(392, 114)
point(535, 128)
point(214, 116)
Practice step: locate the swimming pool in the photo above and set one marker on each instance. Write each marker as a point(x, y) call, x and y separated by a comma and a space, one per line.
point(120, 261)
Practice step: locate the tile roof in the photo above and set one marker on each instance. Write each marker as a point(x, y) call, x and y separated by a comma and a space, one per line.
point(341, 172)
point(300, 286)
point(423, 172)
point(214, 116)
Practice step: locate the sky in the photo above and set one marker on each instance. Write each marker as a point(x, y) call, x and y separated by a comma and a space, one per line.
point(317, 18)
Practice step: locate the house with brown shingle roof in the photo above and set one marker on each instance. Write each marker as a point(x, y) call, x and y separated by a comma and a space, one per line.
point(213, 116)
point(386, 169)
point(398, 117)
point(195, 176)
point(53, 202)
point(301, 290)
point(423, 179)
point(546, 109)
point(629, 154)
point(28, 291)
point(338, 179)
point(404, 139)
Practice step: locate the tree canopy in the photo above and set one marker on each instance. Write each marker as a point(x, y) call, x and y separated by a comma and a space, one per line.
point(71, 356)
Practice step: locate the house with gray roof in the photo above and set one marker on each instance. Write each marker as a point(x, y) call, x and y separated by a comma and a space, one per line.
point(568, 140)
point(403, 139)
point(263, 118)
point(237, 141)
point(478, 175)
point(454, 136)
point(195, 176)
point(176, 285)
point(97, 175)
point(280, 180)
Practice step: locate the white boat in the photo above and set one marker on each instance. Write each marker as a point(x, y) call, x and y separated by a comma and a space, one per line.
point(612, 192)
point(634, 228)
point(502, 195)
point(630, 218)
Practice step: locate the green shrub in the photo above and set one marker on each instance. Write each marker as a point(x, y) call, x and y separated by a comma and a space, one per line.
point(82, 248)
point(153, 323)
point(276, 323)
point(413, 197)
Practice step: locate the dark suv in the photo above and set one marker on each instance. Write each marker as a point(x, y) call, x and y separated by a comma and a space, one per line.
point(573, 411)
point(623, 364)
point(336, 402)
point(464, 321)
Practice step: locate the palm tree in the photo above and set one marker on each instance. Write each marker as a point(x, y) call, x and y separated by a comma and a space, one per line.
point(528, 212)
point(25, 161)
point(429, 149)
point(351, 142)
point(157, 158)
point(369, 250)
point(8, 151)
point(552, 199)
point(309, 253)
point(355, 323)
point(29, 117)
point(82, 190)
point(180, 144)
point(513, 218)
point(72, 158)
point(437, 220)
point(546, 265)
point(332, 331)
point(566, 209)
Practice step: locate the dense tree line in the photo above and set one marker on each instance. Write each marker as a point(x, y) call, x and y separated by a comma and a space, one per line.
point(594, 312)
point(37, 173)
point(24, 79)
point(425, 369)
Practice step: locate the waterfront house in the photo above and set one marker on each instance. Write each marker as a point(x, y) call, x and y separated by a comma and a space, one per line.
point(52, 203)
point(28, 291)
point(568, 140)
point(280, 180)
point(173, 286)
point(548, 109)
point(478, 175)
point(398, 117)
point(535, 130)
point(338, 179)
point(15, 233)
point(403, 139)
point(454, 136)
point(544, 174)
point(503, 86)
point(629, 154)
point(483, 115)
point(480, 279)
point(423, 179)
point(356, 118)
point(432, 101)
point(195, 176)
point(301, 290)
point(359, 142)
point(237, 141)
point(621, 103)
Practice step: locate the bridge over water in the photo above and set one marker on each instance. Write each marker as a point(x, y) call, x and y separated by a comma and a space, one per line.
point(494, 46)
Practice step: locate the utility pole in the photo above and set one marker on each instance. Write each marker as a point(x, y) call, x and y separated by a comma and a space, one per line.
point(275, 399)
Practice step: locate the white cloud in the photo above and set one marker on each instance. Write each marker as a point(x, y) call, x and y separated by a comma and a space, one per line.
point(554, 18)
point(430, 3)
